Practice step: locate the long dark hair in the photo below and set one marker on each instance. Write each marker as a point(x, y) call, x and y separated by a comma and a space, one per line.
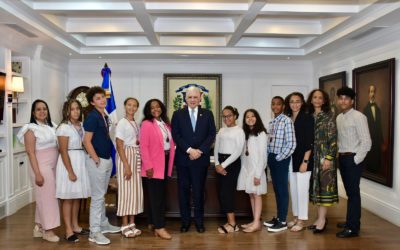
point(66, 111)
point(325, 107)
point(288, 111)
point(33, 119)
point(147, 111)
point(258, 126)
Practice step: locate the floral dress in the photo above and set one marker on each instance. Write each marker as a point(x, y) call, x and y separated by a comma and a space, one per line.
point(323, 188)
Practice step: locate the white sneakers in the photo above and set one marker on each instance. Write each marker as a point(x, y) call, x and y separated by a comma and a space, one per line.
point(99, 238)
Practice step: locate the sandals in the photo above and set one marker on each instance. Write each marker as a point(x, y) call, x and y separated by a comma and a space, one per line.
point(83, 231)
point(292, 223)
point(246, 225)
point(252, 229)
point(223, 230)
point(299, 226)
point(127, 232)
point(136, 231)
point(73, 238)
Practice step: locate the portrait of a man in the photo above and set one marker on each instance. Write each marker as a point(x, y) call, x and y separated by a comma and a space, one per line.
point(373, 113)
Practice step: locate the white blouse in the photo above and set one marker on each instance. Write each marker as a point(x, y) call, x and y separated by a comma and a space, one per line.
point(44, 134)
point(229, 140)
point(128, 131)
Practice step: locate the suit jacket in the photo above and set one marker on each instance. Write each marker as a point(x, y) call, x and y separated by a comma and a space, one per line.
point(304, 130)
point(152, 149)
point(202, 138)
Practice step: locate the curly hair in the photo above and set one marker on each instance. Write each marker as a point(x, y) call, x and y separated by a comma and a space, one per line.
point(147, 111)
point(288, 110)
point(66, 111)
point(325, 106)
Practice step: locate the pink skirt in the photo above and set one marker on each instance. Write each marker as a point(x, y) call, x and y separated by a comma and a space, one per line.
point(47, 208)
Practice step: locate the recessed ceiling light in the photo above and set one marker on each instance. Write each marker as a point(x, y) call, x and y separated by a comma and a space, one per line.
point(184, 55)
point(99, 57)
point(70, 54)
point(288, 57)
point(319, 52)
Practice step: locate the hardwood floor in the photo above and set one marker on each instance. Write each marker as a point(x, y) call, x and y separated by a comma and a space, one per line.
point(376, 233)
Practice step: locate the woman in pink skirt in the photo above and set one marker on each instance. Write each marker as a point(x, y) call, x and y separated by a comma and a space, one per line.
point(40, 142)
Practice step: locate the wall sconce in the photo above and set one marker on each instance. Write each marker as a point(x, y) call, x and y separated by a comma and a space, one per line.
point(17, 86)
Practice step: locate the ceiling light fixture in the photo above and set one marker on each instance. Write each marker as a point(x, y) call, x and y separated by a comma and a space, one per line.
point(319, 52)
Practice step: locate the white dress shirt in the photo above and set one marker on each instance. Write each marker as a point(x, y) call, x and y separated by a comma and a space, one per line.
point(353, 134)
point(229, 141)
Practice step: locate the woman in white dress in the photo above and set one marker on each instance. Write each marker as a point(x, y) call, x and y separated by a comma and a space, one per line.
point(72, 177)
point(130, 191)
point(40, 142)
point(252, 177)
point(227, 150)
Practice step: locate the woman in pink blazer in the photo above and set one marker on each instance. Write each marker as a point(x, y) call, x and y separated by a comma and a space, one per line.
point(157, 151)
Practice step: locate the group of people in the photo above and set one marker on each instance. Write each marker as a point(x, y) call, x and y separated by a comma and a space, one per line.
point(72, 161)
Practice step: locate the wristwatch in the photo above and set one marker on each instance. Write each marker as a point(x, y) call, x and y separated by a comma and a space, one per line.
point(306, 161)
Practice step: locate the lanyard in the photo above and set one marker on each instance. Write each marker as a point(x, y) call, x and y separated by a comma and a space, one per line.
point(105, 123)
point(135, 129)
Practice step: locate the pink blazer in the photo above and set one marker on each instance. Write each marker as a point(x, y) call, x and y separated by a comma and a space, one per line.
point(152, 150)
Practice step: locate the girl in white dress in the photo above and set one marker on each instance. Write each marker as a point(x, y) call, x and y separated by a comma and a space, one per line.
point(252, 177)
point(130, 191)
point(72, 177)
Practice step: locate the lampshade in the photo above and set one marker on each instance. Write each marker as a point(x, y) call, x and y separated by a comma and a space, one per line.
point(17, 84)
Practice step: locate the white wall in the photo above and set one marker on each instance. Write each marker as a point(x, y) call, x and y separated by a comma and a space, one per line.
point(377, 198)
point(245, 84)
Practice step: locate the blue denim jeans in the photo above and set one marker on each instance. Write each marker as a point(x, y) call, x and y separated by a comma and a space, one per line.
point(280, 174)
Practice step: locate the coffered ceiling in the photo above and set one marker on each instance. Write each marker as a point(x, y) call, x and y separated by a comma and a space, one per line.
point(258, 28)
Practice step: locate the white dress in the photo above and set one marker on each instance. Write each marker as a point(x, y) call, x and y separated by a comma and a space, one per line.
point(65, 188)
point(253, 165)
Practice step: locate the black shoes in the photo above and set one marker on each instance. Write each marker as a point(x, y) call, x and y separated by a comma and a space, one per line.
point(318, 231)
point(271, 222)
point(341, 225)
point(185, 228)
point(200, 228)
point(347, 233)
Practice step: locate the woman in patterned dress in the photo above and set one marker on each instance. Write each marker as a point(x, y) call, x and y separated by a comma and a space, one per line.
point(323, 188)
point(130, 191)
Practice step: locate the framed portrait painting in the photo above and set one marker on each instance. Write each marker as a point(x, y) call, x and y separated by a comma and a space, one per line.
point(374, 85)
point(330, 84)
point(176, 85)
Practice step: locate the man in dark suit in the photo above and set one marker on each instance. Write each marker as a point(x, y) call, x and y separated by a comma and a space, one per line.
point(193, 130)
point(373, 114)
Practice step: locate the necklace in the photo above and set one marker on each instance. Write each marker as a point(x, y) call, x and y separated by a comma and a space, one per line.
point(135, 129)
point(164, 130)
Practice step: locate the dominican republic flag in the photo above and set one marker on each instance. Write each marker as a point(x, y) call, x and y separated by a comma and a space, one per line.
point(111, 109)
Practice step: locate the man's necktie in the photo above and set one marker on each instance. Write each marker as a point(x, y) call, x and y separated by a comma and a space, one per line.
point(193, 119)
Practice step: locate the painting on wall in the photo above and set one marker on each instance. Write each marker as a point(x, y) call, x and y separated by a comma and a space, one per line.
point(330, 84)
point(176, 85)
point(374, 85)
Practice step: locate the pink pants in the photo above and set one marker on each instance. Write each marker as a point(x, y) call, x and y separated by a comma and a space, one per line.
point(47, 209)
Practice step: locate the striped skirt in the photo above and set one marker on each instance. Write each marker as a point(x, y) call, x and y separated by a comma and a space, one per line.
point(130, 192)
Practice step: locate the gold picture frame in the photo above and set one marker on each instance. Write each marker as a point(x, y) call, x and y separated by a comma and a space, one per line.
point(175, 86)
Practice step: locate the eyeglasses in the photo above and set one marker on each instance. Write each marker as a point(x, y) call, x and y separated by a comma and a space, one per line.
point(227, 116)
